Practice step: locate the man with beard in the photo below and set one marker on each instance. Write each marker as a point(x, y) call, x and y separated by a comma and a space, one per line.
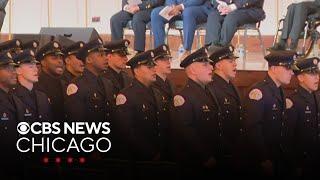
point(229, 103)
point(196, 116)
point(303, 113)
point(11, 113)
point(74, 66)
point(37, 107)
point(264, 123)
point(90, 97)
point(117, 59)
point(51, 59)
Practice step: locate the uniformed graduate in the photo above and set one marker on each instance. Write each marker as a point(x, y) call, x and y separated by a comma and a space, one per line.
point(229, 102)
point(90, 97)
point(163, 70)
point(304, 114)
point(164, 90)
point(265, 123)
point(11, 114)
point(33, 45)
point(294, 22)
point(196, 118)
point(117, 52)
point(13, 46)
point(140, 16)
point(138, 116)
point(51, 58)
point(228, 15)
point(36, 103)
point(74, 66)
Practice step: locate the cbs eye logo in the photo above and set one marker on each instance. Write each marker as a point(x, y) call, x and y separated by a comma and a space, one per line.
point(23, 128)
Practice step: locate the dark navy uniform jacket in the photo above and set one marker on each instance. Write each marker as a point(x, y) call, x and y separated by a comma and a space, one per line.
point(36, 104)
point(53, 88)
point(265, 122)
point(139, 121)
point(11, 113)
point(119, 80)
point(67, 77)
point(90, 98)
point(197, 123)
point(304, 114)
point(165, 87)
point(231, 109)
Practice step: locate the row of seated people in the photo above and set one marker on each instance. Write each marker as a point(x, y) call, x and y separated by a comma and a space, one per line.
point(222, 18)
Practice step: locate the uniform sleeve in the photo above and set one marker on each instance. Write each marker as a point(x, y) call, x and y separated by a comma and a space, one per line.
point(124, 127)
point(241, 4)
point(184, 127)
point(253, 123)
point(75, 105)
point(150, 4)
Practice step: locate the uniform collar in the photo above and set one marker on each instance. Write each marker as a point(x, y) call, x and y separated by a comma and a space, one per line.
point(45, 75)
point(2, 92)
point(269, 80)
point(113, 71)
point(23, 89)
point(306, 94)
point(139, 84)
point(163, 86)
point(220, 80)
point(228, 87)
point(277, 91)
point(192, 83)
point(89, 74)
point(68, 75)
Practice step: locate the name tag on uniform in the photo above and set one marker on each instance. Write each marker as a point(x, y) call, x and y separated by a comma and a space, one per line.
point(27, 113)
point(307, 111)
point(4, 117)
point(274, 107)
point(226, 101)
point(205, 108)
